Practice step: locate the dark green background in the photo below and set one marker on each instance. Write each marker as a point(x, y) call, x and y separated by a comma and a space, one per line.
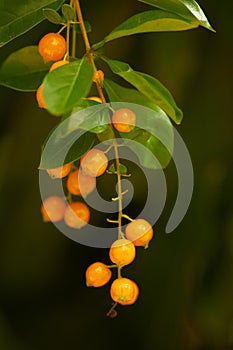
point(185, 278)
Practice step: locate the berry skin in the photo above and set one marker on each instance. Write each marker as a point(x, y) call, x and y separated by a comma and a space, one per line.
point(97, 275)
point(52, 47)
point(94, 162)
point(53, 209)
point(122, 252)
point(140, 232)
point(77, 215)
point(98, 77)
point(57, 64)
point(40, 97)
point(124, 291)
point(79, 184)
point(60, 172)
point(124, 120)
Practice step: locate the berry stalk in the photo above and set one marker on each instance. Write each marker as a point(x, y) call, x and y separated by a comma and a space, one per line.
point(99, 88)
point(115, 145)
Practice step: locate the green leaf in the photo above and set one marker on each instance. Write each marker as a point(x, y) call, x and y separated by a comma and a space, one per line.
point(149, 21)
point(65, 87)
point(112, 168)
point(54, 153)
point(84, 103)
point(188, 9)
point(150, 87)
point(68, 12)
point(24, 69)
point(123, 169)
point(80, 147)
point(102, 120)
point(152, 121)
point(52, 16)
point(66, 141)
point(106, 135)
point(152, 144)
point(87, 26)
point(118, 93)
point(101, 117)
point(18, 17)
point(154, 132)
point(94, 119)
point(102, 129)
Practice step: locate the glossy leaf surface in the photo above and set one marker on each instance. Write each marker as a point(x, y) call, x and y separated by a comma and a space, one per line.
point(17, 17)
point(150, 87)
point(24, 69)
point(67, 85)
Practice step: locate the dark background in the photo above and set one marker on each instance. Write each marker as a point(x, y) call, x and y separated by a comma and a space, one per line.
point(185, 278)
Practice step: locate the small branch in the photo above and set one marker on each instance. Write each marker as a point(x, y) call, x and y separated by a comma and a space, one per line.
point(112, 221)
point(82, 25)
point(108, 149)
point(62, 28)
point(127, 217)
point(117, 198)
point(112, 313)
point(74, 34)
point(89, 54)
point(68, 42)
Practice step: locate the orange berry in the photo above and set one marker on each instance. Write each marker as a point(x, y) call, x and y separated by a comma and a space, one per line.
point(94, 162)
point(60, 172)
point(140, 232)
point(124, 120)
point(97, 275)
point(57, 64)
point(124, 291)
point(77, 215)
point(40, 97)
point(52, 47)
point(98, 77)
point(95, 98)
point(53, 209)
point(122, 252)
point(79, 184)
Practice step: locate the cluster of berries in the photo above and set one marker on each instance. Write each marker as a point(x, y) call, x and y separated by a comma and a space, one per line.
point(82, 182)
point(122, 252)
point(53, 47)
point(76, 215)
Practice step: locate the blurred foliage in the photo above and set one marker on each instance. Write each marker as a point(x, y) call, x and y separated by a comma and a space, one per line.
point(186, 277)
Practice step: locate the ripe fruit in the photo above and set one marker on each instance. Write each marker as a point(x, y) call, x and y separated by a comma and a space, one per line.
point(122, 252)
point(79, 184)
point(52, 47)
point(124, 291)
point(98, 77)
point(124, 120)
point(40, 97)
point(140, 232)
point(57, 64)
point(97, 275)
point(60, 172)
point(77, 215)
point(53, 209)
point(94, 162)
